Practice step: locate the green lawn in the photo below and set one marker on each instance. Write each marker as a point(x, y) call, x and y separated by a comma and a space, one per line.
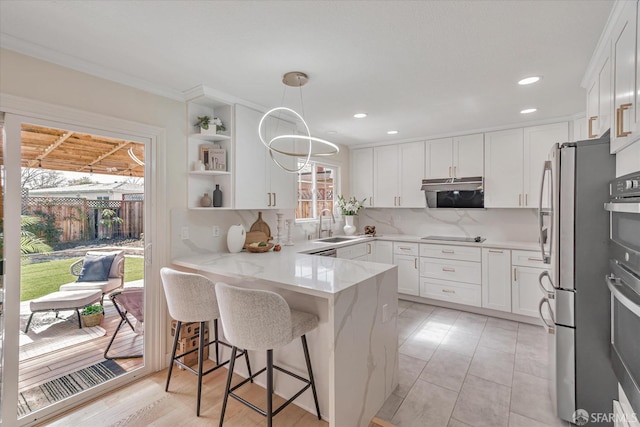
point(45, 277)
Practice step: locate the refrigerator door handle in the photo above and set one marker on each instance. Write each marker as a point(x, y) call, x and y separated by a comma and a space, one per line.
point(549, 294)
point(550, 327)
point(547, 171)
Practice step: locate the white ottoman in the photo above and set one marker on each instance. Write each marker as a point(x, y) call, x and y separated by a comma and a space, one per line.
point(60, 301)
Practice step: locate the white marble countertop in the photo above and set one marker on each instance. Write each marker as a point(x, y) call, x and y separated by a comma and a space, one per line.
point(289, 269)
point(293, 268)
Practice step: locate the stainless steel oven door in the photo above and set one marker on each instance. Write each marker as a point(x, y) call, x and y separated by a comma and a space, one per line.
point(625, 336)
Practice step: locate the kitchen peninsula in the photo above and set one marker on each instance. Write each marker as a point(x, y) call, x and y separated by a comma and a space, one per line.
point(354, 351)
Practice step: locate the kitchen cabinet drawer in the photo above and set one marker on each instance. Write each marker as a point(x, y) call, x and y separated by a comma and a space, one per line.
point(527, 259)
point(459, 271)
point(406, 248)
point(461, 253)
point(461, 293)
point(352, 252)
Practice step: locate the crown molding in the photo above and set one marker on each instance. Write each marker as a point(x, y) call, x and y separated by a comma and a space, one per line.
point(31, 49)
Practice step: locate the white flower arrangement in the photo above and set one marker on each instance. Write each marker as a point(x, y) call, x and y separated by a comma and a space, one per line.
point(350, 207)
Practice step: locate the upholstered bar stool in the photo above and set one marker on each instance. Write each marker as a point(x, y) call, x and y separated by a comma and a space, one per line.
point(192, 298)
point(262, 321)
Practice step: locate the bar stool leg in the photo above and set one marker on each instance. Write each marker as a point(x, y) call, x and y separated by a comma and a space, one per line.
point(200, 363)
point(173, 354)
point(232, 362)
point(313, 383)
point(246, 358)
point(269, 388)
point(215, 333)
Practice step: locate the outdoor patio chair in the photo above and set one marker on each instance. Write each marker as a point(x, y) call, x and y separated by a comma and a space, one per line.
point(101, 280)
point(128, 301)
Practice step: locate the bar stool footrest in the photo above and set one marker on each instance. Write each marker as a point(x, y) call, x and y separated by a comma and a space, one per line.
point(281, 407)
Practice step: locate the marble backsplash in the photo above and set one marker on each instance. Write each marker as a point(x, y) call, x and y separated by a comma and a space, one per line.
point(495, 224)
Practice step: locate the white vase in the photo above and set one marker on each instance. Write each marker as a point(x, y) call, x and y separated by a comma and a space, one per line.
point(235, 238)
point(349, 228)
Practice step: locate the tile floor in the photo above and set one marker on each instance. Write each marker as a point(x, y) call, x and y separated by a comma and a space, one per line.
point(461, 369)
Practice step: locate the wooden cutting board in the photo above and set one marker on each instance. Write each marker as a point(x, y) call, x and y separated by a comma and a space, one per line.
point(260, 225)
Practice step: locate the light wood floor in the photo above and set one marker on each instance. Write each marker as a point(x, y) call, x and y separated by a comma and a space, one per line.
point(58, 363)
point(145, 403)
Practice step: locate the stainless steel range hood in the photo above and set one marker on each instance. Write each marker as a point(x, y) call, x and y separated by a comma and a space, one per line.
point(453, 184)
point(454, 192)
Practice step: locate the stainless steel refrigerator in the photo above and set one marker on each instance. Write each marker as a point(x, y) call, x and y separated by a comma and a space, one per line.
point(572, 218)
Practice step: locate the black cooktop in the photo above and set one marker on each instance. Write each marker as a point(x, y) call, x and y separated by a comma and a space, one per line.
point(476, 239)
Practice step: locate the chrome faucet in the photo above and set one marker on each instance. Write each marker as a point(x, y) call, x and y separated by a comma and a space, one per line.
point(333, 220)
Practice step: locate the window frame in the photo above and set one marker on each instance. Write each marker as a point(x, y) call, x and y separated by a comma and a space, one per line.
point(336, 187)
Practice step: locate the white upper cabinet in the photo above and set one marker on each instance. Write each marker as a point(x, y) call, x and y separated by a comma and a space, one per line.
point(468, 153)
point(439, 158)
point(538, 141)
point(260, 183)
point(411, 170)
point(385, 177)
point(599, 100)
point(398, 171)
point(362, 175)
point(457, 157)
point(503, 159)
point(624, 78)
point(514, 160)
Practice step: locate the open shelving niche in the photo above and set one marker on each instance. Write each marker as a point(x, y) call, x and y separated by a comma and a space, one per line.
point(200, 182)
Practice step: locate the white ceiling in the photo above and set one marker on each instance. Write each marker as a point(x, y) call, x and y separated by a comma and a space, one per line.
point(422, 67)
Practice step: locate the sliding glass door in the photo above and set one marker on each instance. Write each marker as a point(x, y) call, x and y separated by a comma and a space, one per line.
point(77, 232)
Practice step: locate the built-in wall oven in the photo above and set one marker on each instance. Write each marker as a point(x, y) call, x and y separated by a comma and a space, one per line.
point(624, 283)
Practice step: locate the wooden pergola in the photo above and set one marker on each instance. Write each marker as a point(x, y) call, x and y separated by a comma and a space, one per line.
point(62, 150)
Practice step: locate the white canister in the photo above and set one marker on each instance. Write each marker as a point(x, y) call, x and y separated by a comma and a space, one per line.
point(236, 237)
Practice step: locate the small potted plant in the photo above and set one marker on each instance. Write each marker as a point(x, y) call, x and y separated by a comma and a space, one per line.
point(209, 126)
point(92, 315)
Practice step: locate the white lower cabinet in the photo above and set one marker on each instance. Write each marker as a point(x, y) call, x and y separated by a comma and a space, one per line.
point(358, 252)
point(405, 256)
point(496, 279)
point(451, 273)
point(526, 294)
point(382, 252)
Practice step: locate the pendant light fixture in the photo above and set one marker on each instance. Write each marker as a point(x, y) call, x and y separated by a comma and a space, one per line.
point(320, 148)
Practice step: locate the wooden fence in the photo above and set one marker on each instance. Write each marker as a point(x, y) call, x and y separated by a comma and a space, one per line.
point(79, 219)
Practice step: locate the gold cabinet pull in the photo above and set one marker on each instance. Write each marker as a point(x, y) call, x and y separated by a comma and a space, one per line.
point(446, 251)
point(590, 127)
point(620, 133)
point(495, 251)
point(368, 248)
point(269, 199)
point(454, 171)
point(520, 199)
point(448, 291)
point(274, 200)
point(448, 269)
point(415, 263)
point(449, 171)
point(515, 274)
point(370, 201)
point(399, 204)
point(534, 259)
point(526, 199)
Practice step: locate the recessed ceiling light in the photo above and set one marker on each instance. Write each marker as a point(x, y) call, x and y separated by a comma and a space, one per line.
point(392, 132)
point(529, 80)
point(529, 111)
point(332, 132)
point(360, 115)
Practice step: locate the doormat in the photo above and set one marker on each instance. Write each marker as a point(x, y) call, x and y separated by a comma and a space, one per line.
point(50, 392)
